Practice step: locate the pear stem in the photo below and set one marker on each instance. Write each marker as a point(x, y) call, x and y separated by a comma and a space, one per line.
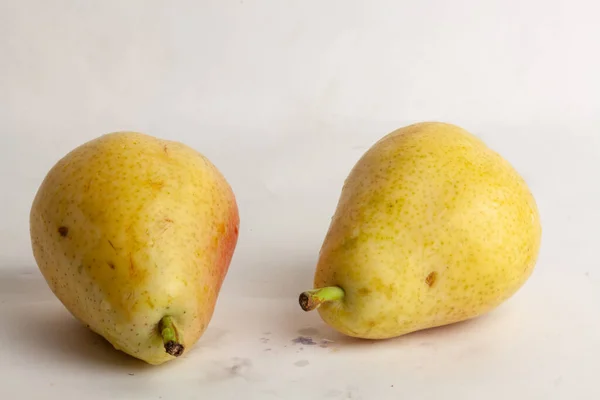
point(170, 337)
point(312, 299)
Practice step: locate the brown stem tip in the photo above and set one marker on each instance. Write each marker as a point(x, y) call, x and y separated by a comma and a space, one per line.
point(305, 302)
point(173, 348)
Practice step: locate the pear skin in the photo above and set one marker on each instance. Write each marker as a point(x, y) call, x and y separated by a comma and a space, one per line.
point(432, 227)
point(135, 235)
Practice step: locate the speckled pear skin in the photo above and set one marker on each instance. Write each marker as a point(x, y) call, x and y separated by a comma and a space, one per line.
point(128, 228)
point(432, 227)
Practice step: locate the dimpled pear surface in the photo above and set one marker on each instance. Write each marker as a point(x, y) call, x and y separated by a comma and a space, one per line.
point(432, 227)
point(127, 229)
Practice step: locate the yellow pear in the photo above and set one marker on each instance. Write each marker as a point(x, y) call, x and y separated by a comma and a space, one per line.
point(135, 236)
point(432, 227)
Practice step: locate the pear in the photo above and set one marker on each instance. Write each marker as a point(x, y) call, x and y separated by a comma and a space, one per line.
point(432, 227)
point(135, 235)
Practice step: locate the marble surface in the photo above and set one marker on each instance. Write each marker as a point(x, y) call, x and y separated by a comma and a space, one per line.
point(284, 97)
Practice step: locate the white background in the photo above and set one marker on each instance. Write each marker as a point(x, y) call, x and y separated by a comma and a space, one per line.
point(284, 96)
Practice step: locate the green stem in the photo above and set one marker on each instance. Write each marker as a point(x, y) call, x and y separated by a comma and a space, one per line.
point(170, 337)
point(312, 299)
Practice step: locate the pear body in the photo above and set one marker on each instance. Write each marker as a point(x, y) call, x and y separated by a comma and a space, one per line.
point(432, 227)
point(127, 229)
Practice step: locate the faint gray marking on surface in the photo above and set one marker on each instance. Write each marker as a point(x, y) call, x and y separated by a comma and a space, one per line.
point(353, 393)
point(301, 363)
point(240, 366)
point(558, 381)
point(306, 340)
